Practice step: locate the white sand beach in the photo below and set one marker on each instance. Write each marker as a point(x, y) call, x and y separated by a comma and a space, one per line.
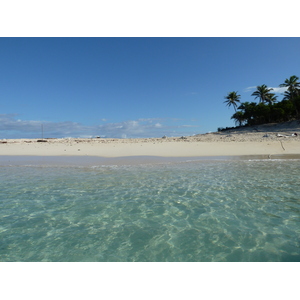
point(270, 139)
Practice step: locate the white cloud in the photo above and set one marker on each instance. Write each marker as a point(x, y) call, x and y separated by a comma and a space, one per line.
point(250, 89)
point(11, 127)
point(277, 90)
point(150, 120)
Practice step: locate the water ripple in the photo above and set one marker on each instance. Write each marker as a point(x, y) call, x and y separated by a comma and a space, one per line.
point(194, 211)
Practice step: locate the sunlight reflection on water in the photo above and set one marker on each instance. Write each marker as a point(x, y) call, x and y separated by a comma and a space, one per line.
point(226, 210)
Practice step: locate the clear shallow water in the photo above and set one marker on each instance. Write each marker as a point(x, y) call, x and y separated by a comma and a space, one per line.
point(244, 210)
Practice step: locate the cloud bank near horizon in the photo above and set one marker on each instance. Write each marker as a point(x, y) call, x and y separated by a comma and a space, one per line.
point(11, 127)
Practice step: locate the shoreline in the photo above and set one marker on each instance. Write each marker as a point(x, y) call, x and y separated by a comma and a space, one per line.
point(188, 147)
point(267, 140)
point(96, 161)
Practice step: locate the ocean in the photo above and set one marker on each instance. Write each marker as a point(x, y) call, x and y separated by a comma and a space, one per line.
point(181, 210)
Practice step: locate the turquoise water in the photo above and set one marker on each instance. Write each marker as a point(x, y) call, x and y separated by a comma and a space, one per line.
point(218, 210)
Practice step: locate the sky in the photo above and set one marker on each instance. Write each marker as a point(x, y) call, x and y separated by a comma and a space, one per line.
point(132, 87)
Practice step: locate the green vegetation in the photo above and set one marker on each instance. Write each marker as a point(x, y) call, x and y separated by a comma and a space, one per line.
point(267, 110)
point(232, 99)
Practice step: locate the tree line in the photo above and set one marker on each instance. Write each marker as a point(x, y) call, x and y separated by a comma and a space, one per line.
point(268, 109)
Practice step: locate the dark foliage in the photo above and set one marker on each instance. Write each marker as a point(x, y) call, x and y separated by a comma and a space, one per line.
point(268, 110)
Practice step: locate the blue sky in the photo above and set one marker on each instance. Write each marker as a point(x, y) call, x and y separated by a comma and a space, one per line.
point(133, 87)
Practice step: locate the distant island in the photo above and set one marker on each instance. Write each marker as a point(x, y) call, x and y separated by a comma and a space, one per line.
point(268, 109)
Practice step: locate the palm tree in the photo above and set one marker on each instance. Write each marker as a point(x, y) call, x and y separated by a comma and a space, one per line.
point(287, 95)
point(232, 99)
point(272, 98)
point(263, 93)
point(238, 118)
point(293, 86)
point(249, 111)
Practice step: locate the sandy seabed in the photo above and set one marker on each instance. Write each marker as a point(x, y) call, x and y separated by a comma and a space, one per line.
point(270, 140)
